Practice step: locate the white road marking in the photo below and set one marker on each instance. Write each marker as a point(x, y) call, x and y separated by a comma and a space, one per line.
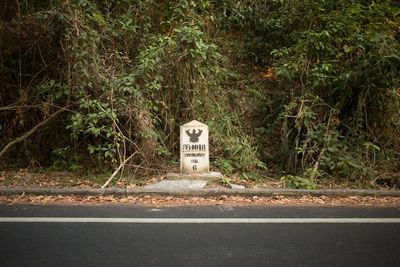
point(155, 209)
point(194, 220)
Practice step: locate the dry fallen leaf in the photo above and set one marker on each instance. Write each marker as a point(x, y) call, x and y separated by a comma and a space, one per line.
point(123, 200)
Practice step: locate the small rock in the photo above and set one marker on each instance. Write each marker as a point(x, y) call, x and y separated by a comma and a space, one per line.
point(235, 186)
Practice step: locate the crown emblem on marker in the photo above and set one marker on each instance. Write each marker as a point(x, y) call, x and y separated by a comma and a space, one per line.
point(194, 137)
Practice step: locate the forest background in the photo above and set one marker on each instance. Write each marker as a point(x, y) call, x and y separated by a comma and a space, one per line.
point(302, 91)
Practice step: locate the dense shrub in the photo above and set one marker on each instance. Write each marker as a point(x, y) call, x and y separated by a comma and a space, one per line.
point(306, 88)
point(338, 62)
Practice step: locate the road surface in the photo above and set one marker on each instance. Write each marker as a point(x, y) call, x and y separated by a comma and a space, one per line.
point(198, 236)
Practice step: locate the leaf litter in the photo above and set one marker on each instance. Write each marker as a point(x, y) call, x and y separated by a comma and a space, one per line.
point(165, 201)
point(23, 178)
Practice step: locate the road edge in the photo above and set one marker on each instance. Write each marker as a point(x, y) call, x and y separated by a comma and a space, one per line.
point(206, 192)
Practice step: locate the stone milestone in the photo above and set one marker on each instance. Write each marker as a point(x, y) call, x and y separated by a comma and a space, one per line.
point(194, 148)
point(194, 152)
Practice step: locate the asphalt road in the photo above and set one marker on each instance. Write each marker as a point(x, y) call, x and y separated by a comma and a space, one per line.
point(210, 236)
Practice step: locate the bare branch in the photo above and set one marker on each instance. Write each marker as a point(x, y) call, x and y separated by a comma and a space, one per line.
point(316, 165)
point(9, 108)
point(117, 170)
point(26, 135)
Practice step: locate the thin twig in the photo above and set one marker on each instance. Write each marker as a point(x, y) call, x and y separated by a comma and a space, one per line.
point(146, 168)
point(126, 138)
point(117, 170)
point(316, 165)
point(9, 108)
point(379, 177)
point(124, 157)
point(270, 178)
point(21, 138)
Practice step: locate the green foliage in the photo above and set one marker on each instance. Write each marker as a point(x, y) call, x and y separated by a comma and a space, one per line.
point(225, 182)
point(297, 182)
point(233, 146)
point(64, 160)
point(309, 88)
point(131, 72)
point(339, 63)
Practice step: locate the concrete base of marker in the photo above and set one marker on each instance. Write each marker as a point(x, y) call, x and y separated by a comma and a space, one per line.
point(211, 176)
point(178, 184)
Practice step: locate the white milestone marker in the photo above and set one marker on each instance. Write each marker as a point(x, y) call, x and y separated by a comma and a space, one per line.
point(194, 148)
point(195, 163)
